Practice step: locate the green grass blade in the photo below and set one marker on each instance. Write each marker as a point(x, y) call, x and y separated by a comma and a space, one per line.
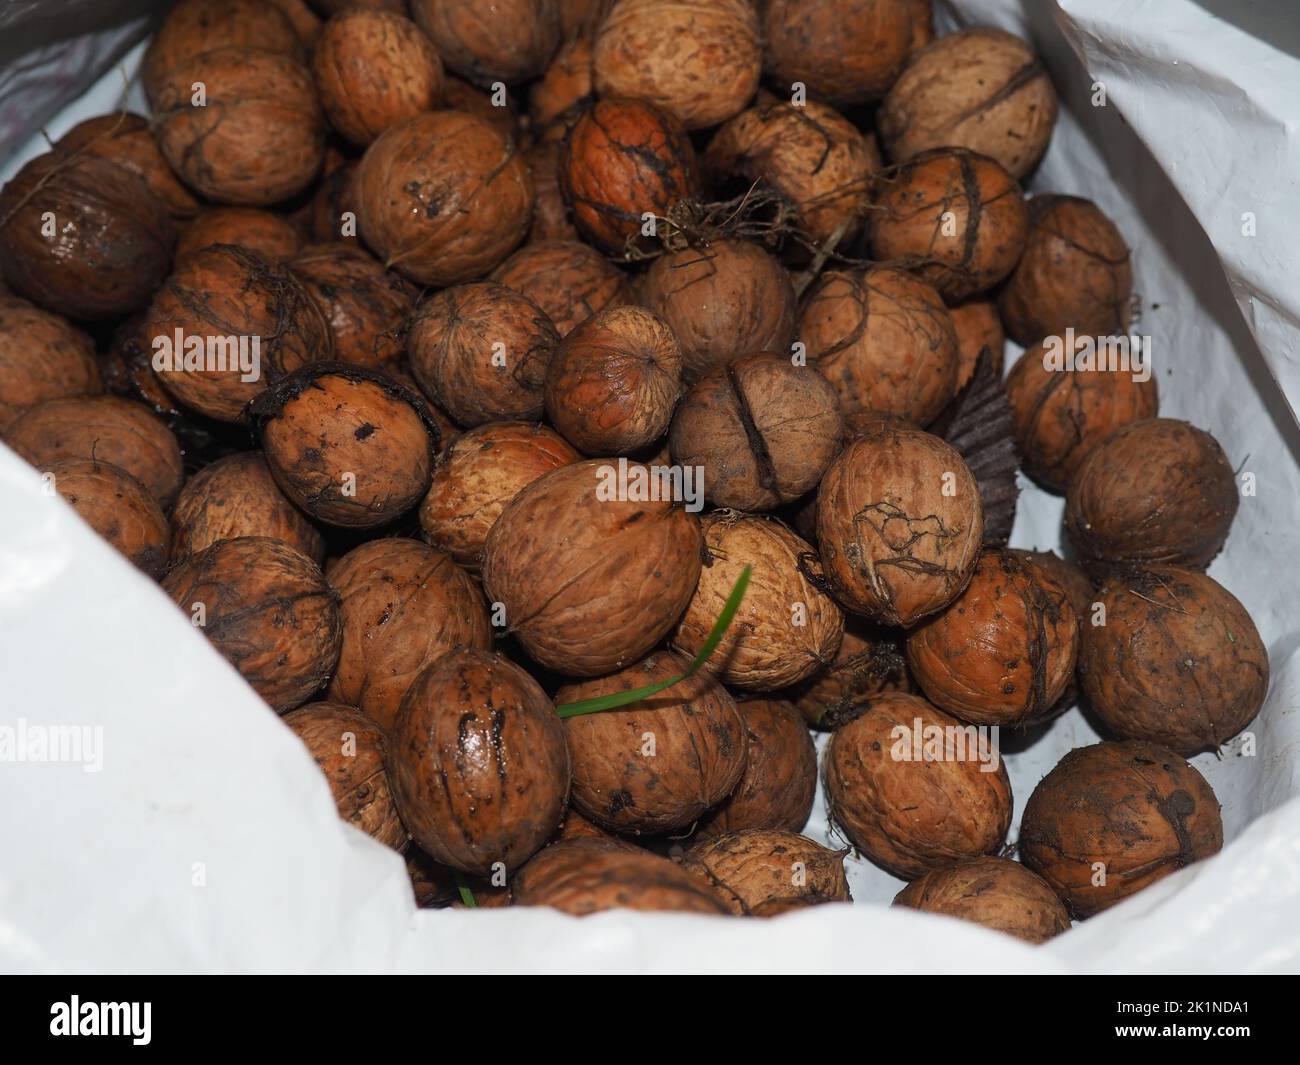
point(466, 896)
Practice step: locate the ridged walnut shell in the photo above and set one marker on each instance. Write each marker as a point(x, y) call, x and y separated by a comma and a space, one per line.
point(584, 876)
point(568, 280)
point(979, 88)
point(478, 765)
point(914, 800)
point(1178, 661)
point(404, 605)
point(258, 230)
point(785, 628)
point(978, 327)
point(116, 506)
point(351, 751)
point(1158, 490)
point(1114, 818)
point(507, 40)
point(757, 868)
point(884, 340)
point(660, 763)
point(42, 357)
point(1003, 652)
point(590, 581)
point(994, 892)
point(267, 609)
point(899, 524)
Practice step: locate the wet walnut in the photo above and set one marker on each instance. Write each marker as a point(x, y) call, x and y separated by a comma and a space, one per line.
point(237, 496)
point(785, 628)
point(1177, 662)
point(568, 280)
point(1133, 811)
point(404, 605)
point(1158, 490)
point(442, 197)
point(1061, 411)
point(592, 567)
point(481, 351)
point(1074, 274)
point(349, 446)
point(660, 763)
point(884, 340)
point(914, 789)
point(763, 429)
point(1003, 652)
point(755, 868)
point(267, 609)
point(699, 62)
point(42, 357)
point(614, 381)
point(979, 88)
point(899, 524)
point(477, 475)
point(116, 506)
point(479, 766)
point(350, 750)
point(584, 876)
point(624, 161)
point(994, 892)
point(955, 218)
point(780, 778)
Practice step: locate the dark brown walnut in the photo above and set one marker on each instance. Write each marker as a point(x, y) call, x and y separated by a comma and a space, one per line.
point(404, 606)
point(104, 429)
point(922, 13)
point(568, 280)
point(227, 314)
point(1004, 650)
point(351, 751)
point(578, 827)
point(333, 7)
point(478, 475)
point(699, 62)
point(756, 868)
point(884, 340)
point(870, 661)
point(614, 381)
point(481, 351)
point(994, 892)
point(82, 236)
point(333, 213)
point(723, 300)
point(1078, 588)
point(257, 138)
point(260, 231)
point(237, 496)
point(374, 68)
point(583, 876)
point(443, 197)
point(819, 163)
point(350, 447)
point(508, 40)
point(432, 883)
point(955, 218)
point(899, 524)
point(1061, 410)
point(1178, 660)
point(366, 306)
point(193, 27)
point(624, 160)
point(776, 789)
point(846, 51)
point(126, 139)
point(42, 357)
point(266, 608)
point(306, 23)
point(914, 789)
point(550, 212)
point(1158, 490)
point(501, 115)
point(785, 628)
point(978, 328)
point(980, 88)
point(127, 370)
point(479, 766)
point(1074, 274)
point(1113, 818)
point(593, 564)
point(763, 429)
point(557, 98)
point(116, 506)
point(660, 763)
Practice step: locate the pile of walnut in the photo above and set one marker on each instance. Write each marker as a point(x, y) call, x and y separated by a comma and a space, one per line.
point(478, 254)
